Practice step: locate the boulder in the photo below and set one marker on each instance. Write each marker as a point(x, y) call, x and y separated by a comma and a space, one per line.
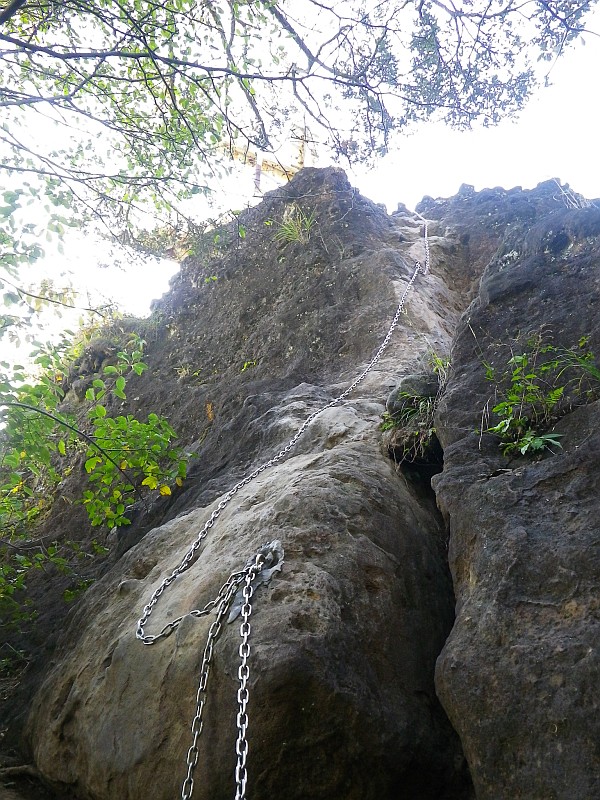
point(476, 588)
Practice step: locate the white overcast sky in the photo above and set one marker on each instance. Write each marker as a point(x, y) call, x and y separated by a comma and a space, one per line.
point(556, 136)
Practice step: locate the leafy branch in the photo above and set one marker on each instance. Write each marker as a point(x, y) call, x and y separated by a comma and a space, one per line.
point(123, 459)
point(169, 85)
point(120, 450)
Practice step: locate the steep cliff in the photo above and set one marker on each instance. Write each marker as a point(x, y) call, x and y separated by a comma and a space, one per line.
point(254, 338)
point(518, 674)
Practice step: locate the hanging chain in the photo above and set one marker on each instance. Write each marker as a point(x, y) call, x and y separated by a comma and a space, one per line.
point(246, 579)
point(223, 603)
point(189, 557)
point(241, 745)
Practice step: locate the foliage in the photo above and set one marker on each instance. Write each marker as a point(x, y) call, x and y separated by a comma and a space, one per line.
point(440, 366)
point(295, 226)
point(121, 453)
point(141, 102)
point(123, 457)
point(538, 386)
point(413, 427)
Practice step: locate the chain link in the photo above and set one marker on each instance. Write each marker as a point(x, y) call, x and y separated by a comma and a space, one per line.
point(226, 499)
point(228, 590)
point(223, 603)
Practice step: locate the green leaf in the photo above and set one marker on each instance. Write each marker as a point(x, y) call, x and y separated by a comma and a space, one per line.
point(92, 463)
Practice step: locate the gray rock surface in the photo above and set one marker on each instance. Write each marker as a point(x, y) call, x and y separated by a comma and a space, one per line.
point(344, 640)
point(341, 693)
point(347, 638)
point(519, 673)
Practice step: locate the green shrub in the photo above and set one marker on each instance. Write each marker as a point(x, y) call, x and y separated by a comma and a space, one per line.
point(538, 386)
point(124, 458)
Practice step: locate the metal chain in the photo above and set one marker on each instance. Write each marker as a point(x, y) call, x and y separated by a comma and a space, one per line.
point(228, 590)
point(188, 559)
point(226, 595)
point(241, 745)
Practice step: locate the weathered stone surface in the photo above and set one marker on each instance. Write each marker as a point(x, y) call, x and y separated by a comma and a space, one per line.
point(519, 673)
point(345, 640)
point(344, 644)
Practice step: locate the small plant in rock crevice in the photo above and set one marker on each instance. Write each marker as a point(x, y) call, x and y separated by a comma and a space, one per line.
point(539, 384)
point(296, 226)
point(412, 425)
point(440, 366)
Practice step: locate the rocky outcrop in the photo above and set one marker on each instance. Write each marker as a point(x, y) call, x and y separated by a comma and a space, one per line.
point(345, 639)
point(518, 674)
point(343, 647)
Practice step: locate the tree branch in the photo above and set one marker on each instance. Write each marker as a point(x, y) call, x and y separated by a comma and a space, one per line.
point(77, 432)
point(10, 10)
point(21, 291)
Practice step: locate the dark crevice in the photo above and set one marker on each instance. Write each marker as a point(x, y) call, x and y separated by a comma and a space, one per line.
point(416, 468)
point(419, 468)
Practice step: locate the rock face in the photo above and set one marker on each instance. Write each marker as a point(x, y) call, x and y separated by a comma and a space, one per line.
point(344, 640)
point(519, 672)
point(341, 692)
